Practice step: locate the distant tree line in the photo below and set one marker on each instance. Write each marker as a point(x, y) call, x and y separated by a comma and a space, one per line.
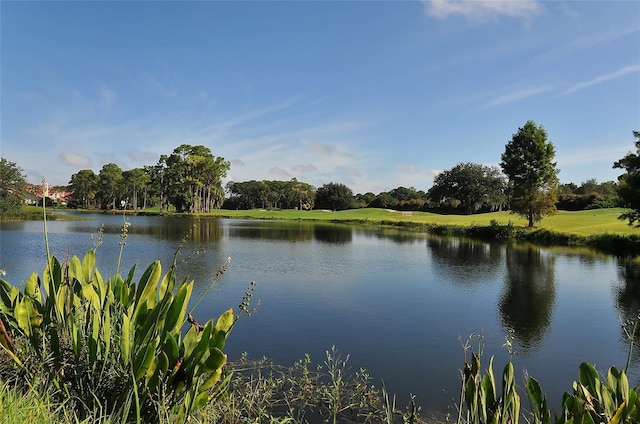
point(190, 180)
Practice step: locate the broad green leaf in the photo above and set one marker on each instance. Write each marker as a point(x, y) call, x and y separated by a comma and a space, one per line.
point(130, 275)
point(617, 417)
point(225, 321)
point(588, 375)
point(167, 284)
point(143, 359)
point(190, 341)
point(52, 276)
point(161, 364)
point(170, 348)
point(91, 296)
point(152, 324)
point(147, 286)
point(201, 400)
point(202, 347)
point(215, 361)
point(76, 339)
point(32, 288)
point(74, 270)
point(178, 308)
point(125, 338)
point(623, 386)
point(487, 395)
point(151, 370)
point(27, 315)
point(88, 264)
point(95, 335)
point(106, 329)
point(63, 302)
point(8, 293)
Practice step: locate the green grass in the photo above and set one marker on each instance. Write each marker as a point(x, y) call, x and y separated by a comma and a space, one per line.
point(580, 223)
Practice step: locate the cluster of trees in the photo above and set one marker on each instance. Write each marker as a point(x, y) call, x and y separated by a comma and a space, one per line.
point(270, 194)
point(12, 179)
point(589, 195)
point(189, 179)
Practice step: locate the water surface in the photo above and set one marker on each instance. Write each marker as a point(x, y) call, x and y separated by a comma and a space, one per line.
point(399, 303)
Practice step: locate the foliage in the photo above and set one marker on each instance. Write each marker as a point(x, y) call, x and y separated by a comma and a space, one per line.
point(192, 178)
point(261, 391)
point(334, 196)
point(11, 181)
point(594, 399)
point(401, 198)
point(471, 186)
point(480, 397)
point(533, 180)
point(110, 186)
point(112, 344)
point(85, 185)
point(629, 183)
point(135, 181)
point(270, 195)
point(589, 195)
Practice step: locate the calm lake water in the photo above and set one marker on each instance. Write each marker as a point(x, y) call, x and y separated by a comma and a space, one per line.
point(399, 303)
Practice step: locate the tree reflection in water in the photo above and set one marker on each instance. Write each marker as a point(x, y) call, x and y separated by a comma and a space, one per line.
point(528, 297)
point(627, 296)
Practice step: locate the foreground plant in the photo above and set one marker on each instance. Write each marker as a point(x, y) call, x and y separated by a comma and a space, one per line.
point(594, 400)
point(113, 345)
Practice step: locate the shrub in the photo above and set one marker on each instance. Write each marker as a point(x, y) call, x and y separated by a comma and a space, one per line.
point(112, 345)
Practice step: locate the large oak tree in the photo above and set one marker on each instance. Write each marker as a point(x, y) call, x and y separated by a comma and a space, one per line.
point(629, 183)
point(470, 186)
point(533, 177)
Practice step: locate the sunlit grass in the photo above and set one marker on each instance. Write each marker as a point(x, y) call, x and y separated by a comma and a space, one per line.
point(581, 223)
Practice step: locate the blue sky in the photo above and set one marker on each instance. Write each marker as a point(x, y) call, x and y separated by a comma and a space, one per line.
point(375, 95)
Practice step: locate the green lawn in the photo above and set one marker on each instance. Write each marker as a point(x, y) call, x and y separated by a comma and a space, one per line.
point(581, 223)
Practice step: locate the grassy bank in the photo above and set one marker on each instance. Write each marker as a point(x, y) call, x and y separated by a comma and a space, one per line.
point(598, 229)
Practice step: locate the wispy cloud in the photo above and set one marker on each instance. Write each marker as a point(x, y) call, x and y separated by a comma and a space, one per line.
point(517, 95)
point(602, 78)
point(481, 9)
point(586, 42)
point(75, 160)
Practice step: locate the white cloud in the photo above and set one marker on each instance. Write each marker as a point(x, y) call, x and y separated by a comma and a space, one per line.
point(481, 9)
point(236, 162)
point(602, 78)
point(517, 95)
point(75, 160)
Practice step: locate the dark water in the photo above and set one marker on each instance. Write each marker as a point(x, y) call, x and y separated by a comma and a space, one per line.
point(400, 304)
